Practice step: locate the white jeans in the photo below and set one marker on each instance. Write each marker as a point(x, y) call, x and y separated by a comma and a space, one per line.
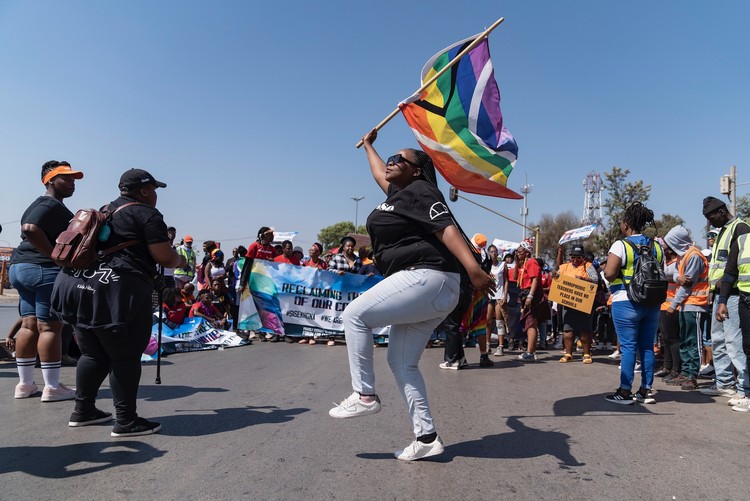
point(413, 303)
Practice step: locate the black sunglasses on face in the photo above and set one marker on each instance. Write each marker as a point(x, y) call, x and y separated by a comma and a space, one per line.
point(398, 158)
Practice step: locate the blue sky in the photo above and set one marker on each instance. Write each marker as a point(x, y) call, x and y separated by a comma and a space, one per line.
point(249, 111)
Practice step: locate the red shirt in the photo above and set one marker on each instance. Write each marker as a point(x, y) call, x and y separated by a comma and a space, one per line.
point(209, 311)
point(177, 314)
point(283, 259)
point(258, 251)
point(321, 265)
point(529, 272)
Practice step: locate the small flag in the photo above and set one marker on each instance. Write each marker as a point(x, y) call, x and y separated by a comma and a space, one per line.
point(458, 122)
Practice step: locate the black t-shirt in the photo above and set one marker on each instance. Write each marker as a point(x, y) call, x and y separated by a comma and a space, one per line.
point(136, 222)
point(402, 229)
point(49, 214)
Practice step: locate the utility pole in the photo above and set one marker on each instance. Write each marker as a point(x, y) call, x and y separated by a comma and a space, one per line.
point(356, 211)
point(525, 189)
point(728, 186)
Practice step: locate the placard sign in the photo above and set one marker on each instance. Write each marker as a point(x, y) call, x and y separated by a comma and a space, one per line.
point(573, 293)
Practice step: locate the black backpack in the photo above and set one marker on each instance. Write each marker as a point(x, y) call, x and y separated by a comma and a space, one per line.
point(649, 283)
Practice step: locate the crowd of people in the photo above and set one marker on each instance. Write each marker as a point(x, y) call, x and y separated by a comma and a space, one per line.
point(438, 286)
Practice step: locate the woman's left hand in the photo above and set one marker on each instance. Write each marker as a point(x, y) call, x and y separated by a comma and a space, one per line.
point(482, 282)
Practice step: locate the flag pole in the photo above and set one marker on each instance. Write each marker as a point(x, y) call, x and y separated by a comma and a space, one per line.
point(440, 73)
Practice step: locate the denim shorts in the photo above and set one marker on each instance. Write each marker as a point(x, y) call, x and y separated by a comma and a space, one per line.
point(34, 284)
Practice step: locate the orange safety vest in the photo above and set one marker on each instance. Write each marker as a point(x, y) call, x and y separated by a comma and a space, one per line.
point(699, 292)
point(671, 290)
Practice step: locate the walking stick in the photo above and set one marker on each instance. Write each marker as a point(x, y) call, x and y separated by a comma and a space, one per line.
point(160, 295)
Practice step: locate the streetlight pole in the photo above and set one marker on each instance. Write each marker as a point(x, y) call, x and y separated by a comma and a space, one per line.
point(525, 189)
point(356, 211)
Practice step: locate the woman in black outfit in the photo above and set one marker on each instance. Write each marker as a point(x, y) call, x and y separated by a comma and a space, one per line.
point(109, 306)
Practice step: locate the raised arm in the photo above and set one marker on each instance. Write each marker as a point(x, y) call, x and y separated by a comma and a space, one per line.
point(377, 165)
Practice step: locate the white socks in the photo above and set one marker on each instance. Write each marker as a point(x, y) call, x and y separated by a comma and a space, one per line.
point(51, 373)
point(26, 370)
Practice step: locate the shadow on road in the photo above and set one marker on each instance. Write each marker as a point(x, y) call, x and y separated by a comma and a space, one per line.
point(67, 461)
point(522, 442)
point(162, 392)
point(211, 421)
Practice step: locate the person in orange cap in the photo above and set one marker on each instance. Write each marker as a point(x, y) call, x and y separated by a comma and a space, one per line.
point(186, 274)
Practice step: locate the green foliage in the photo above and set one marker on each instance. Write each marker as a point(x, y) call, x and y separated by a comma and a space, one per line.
point(619, 195)
point(331, 236)
point(743, 207)
point(665, 223)
point(551, 228)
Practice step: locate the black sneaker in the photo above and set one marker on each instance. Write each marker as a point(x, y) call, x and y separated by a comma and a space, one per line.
point(644, 396)
point(78, 419)
point(620, 396)
point(662, 373)
point(135, 428)
point(484, 361)
point(672, 375)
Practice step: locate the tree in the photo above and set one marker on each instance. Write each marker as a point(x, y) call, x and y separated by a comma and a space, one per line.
point(620, 194)
point(551, 228)
point(665, 223)
point(331, 236)
point(743, 207)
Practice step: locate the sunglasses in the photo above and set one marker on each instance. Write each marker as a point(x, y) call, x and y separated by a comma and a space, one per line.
point(398, 158)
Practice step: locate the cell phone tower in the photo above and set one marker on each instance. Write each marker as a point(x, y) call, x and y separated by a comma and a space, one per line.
point(592, 198)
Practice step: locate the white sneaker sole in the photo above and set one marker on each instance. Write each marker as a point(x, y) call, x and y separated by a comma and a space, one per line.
point(344, 414)
point(437, 448)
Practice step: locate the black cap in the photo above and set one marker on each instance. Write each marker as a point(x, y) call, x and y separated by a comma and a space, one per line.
point(136, 177)
point(576, 250)
point(711, 204)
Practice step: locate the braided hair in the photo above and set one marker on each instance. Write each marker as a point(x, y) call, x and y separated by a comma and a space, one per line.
point(637, 216)
point(424, 162)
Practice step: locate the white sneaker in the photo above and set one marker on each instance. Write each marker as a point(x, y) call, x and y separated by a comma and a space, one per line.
point(742, 406)
point(739, 401)
point(451, 366)
point(499, 352)
point(58, 394)
point(353, 406)
point(26, 390)
point(419, 450)
point(715, 391)
point(615, 355)
point(558, 346)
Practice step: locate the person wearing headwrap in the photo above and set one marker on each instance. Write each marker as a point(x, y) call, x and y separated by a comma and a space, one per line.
point(532, 301)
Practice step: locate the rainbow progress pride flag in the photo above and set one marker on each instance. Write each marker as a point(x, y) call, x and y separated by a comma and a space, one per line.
point(458, 122)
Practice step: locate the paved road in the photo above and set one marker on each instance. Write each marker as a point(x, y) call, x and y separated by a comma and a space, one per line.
point(252, 422)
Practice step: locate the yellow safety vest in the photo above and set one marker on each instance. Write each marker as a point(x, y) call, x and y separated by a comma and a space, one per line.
point(190, 259)
point(743, 264)
point(716, 267)
point(628, 267)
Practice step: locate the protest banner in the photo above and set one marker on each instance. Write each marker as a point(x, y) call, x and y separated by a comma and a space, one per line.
point(573, 293)
point(299, 300)
point(581, 233)
point(194, 334)
point(504, 246)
